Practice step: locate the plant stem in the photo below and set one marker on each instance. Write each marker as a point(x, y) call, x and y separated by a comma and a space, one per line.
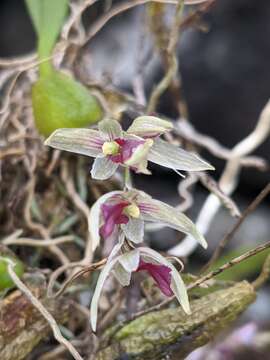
point(127, 179)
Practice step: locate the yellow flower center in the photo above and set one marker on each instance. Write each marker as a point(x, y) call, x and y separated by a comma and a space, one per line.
point(132, 211)
point(110, 148)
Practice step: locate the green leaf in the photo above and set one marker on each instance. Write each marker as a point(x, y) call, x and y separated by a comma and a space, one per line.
point(47, 17)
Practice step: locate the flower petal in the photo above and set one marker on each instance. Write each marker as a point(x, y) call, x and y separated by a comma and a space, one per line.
point(130, 260)
point(103, 168)
point(157, 211)
point(122, 275)
point(149, 126)
point(134, 230)
point(81, 141)
point(173, 157)
point(110, 129)
point(105, 272)
point(94, 218)
point(178, 287)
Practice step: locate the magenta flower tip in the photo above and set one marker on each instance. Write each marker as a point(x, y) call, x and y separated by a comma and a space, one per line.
point(161, 275)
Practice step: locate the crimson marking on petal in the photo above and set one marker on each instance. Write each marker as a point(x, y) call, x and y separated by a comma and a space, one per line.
point(127, 148)
point(112, 216)
point(147, 207)
point(160, 273)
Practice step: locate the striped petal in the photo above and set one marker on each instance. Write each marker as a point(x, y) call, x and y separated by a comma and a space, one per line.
point(81, 141)
point(110, 129)
point(105, 272)
point(149, 126)
point(103, 168)
point(157, 211)
point(173, 157)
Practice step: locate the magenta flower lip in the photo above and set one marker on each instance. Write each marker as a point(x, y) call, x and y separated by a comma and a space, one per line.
point(112, 215)
point(160, 273)
point(127, 148)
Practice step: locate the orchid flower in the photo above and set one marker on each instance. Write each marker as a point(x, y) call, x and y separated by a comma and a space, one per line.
point(165, 275)
point(111, 147)
point(124, 212)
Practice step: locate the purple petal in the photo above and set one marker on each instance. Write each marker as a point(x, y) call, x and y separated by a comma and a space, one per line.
point(160, 273)
point(112, 216)
point(127, 148)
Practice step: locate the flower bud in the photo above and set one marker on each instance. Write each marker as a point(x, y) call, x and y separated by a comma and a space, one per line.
point(110, 148)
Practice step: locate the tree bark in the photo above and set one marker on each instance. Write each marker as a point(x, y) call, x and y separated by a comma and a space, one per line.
point(171, 334)
point(22, 326)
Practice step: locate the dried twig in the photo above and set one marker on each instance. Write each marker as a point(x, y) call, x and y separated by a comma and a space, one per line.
point(171, 58)
point(116, 10)
point(37, 304)
point(231, 233)
point(213, 187)
point(188, 132)
point(264, 275)
point(38, 226)
point(38, 243)
point(227, 182)
point(185, 193)
point(60, 270)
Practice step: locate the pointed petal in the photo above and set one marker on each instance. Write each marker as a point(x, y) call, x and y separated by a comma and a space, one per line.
point(134, 230)
point(103, 168)
point(173, 157)
point(178, 286)
point(157, 211)
point(149, 126)
point(121, 274)
point(110, 129)
point(94, 218)
point(130, 260)
point(81, 141)
point(105, 272)
point(180, 291)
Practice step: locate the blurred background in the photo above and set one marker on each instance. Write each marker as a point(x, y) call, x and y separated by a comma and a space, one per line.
point(225, 74)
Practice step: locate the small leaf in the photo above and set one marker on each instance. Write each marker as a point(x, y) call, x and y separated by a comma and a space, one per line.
point(47, 17)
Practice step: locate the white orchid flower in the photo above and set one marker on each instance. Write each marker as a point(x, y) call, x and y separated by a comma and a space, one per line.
point(119, 212)
point(111, 147)
point(165, 275)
